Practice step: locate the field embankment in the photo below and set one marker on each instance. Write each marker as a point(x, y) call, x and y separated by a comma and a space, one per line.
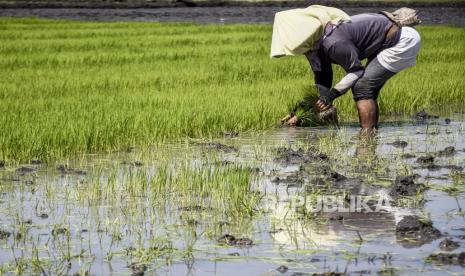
point(70, 87)
point(220, 3)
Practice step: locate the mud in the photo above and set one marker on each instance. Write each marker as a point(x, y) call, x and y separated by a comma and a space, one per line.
point(231, 240)
point(406, 186)
point(335, 176)
point(219, 147)
point(133, 163)
point(43, 216)
point(282, 269)
point(60, 231)
point(64, 169)
point(425, 160)
point(36, 162)
point(448, 258)
point(4, 234)
point(299, 156)
point(452, 167)
point(221, 15)
point(295, 178)
point(413, 231)
point(137, 163)
point(423, 116)
point(447, 152)
point(195, 208)
point(435, 167)
point(408, 156)
point(138, 269)
point(448, 244)
point(230, 134)
point(399, 144)
point(24, 170)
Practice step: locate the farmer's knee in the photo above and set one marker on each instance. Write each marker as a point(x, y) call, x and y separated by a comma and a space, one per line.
point(363, 90)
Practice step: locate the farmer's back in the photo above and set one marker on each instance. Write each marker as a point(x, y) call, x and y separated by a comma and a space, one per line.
point(366, 33)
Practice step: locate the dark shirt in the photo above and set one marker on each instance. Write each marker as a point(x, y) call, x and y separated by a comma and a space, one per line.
point(364, 36)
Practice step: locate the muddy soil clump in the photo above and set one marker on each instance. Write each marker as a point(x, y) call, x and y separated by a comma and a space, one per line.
point(290, 156)
point(296, 178)
point(282, 269)
point(335, 176)
point(43, 216)
point(448, 151)
point(60, 231)
point(230, 134)
point(399, 144)
point(138, 269)
point(408, 155)
point(231, 240)
point(448, 244)
point(133, 163)
point(4, 234)
point(414, 231)
point(219, 147)
point(64, 169)
point(195, 208)
point(423, 116)
point(24, 170)
point(406, 186)
point(425, 160)
point(448, 258)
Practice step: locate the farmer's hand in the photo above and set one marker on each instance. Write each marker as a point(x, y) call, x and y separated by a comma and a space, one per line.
point(286, 118)
point(326, 97)
point(321, 106)
point(290, 120)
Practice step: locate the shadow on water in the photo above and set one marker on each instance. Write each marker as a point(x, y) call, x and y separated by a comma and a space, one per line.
point(288, 200)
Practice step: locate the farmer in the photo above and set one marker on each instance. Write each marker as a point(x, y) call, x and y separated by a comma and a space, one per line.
point(381, 39)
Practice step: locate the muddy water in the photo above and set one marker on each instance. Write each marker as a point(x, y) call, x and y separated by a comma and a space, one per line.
point(45, 213)
point(429, 15)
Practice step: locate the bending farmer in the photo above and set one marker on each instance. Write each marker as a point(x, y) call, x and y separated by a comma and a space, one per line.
point(382, 39)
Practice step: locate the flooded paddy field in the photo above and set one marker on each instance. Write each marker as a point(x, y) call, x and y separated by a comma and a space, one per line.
point(284, 201)
point(442, 14)
point(288, 201)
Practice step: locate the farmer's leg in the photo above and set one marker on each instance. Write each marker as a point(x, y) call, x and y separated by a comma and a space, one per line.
point(366, 91)
point(367, 113)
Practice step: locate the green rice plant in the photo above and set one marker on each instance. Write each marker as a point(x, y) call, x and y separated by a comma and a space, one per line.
point(71, 87)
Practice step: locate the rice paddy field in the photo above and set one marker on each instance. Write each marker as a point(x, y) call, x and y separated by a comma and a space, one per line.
point(70, 87)
point(142, 148)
